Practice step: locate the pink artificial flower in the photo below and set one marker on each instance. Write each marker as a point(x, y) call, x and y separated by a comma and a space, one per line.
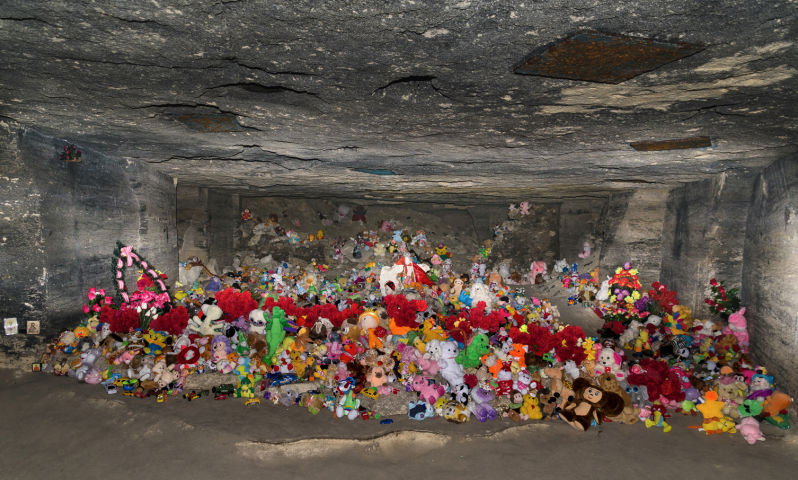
point(91, 295)
point(108, 300)
point(96, 307)
point(101, 292)
point(85, 309)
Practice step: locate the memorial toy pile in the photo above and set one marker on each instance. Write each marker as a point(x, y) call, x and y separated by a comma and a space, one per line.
point(462, 347)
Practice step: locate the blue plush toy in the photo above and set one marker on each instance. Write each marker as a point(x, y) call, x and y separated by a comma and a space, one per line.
point(420, 410)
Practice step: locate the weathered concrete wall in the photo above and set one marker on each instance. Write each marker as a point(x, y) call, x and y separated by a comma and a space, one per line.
point(62, 222)
point(770, 272)
point(633, 233)
point(704, 236)
point(193, 223)
point(580, 221)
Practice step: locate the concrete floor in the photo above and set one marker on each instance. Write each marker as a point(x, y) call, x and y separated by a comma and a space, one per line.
point(55, 427)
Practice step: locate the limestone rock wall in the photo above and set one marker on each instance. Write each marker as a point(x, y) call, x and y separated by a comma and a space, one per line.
point(580, 222)
point(633, 233)
point(770, 272)
point(192, 222)
point(704, 235)
point(61, 222)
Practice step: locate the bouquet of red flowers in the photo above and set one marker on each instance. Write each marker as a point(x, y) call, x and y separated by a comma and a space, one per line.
point(663, 299)
point(235, 304)
point(172, 322)
point(725, 302)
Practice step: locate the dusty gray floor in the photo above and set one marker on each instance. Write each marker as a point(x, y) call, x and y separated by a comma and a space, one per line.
point(54, 428)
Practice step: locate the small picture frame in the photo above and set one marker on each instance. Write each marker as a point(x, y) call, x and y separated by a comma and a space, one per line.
point(11, 326)
point(36, 367)
point(33, 327)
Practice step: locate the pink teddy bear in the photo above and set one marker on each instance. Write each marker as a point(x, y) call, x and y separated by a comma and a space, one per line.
point(749, 428)
point(428, 365)
point(524, 208)
point(739, 328)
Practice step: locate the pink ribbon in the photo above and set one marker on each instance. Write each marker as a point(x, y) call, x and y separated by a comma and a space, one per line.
point(128, 252)
point(121, 284)
point(127, 299)
point(163, 287)
point(144, 265)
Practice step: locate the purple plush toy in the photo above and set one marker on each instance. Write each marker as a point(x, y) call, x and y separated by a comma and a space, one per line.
point(479, 406)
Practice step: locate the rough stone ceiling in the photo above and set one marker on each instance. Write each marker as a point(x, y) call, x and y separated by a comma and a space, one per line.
point(425, 89)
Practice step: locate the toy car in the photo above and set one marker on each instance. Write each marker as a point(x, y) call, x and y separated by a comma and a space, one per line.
point(110, 388)
point(191, 396)
point(225, 388)
point(387, 421)
point(120, 381)
point(127, 394)
point(220, 396)
point(371, 393)
point(253, 401)
point(141, 394)
point(283, 380)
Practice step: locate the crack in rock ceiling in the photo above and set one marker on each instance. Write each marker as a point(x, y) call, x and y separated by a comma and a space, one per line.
point(294, 97)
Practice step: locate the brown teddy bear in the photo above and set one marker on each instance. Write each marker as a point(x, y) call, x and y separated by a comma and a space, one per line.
point(258, 344)
point(548, 403)
point(590, 403)
point(630, 414)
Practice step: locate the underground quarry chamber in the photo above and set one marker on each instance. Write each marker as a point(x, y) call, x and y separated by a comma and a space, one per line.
point(66, 220)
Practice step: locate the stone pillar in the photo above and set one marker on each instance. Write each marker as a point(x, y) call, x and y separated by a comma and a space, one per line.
point(633, 233)
point(770, 272)
point(704, 236)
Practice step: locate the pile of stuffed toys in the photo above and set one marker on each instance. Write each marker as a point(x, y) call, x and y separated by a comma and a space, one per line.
point(467, 347)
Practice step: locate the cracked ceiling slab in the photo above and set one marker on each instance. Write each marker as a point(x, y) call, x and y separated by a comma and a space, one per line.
point(423, 89)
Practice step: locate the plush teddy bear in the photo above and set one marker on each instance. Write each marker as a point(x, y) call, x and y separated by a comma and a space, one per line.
point(531, 410)
point(630, 413)
point(456, 413)
point(523, 382)
point(547, 402)
point(590, 403)
point(451, 371)
point(609, 361)
point(729, 394)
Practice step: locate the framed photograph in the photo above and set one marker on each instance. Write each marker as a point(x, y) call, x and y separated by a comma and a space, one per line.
point(33, 328)
point(37, 367)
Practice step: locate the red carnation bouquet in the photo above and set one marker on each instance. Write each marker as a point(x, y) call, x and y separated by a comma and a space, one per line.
point(538, 338)
point(235, 304)
point(566, 344)
point(172, 322)
point(660, 295)
point(403, 311)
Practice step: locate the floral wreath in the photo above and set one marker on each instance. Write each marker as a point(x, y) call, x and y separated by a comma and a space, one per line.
point(126, 256)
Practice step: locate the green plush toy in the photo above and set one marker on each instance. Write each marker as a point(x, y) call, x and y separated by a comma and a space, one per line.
point(276, 332)
point(470, 357)
point(750, 408)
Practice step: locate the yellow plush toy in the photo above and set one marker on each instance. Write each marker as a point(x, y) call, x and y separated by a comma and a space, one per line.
point(714, 420)
point(531, 410)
